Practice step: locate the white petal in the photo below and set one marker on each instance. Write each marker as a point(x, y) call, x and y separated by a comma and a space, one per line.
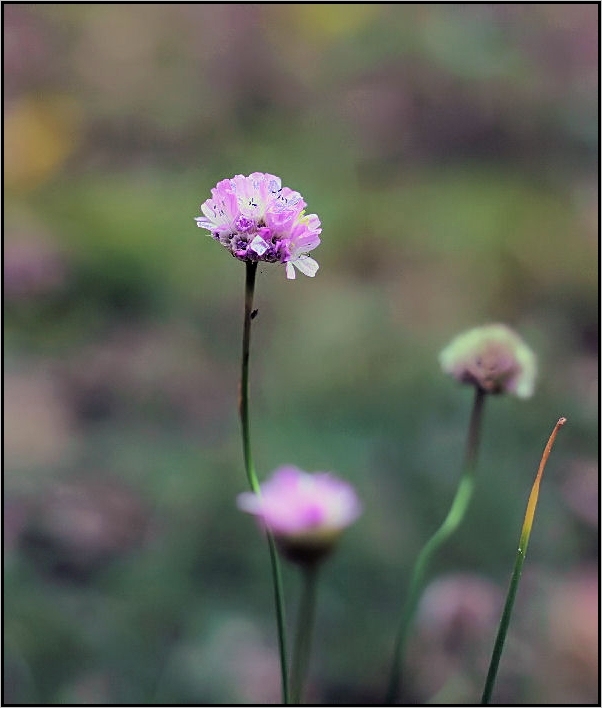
point(208, 211)
point(306, 265)
point(259, 245)
point(290, 271)
point(204, 223)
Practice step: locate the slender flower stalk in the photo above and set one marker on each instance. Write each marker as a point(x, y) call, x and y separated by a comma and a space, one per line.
point(243, 405)
point(304, 630)
point(450, 524)
point(494, 360)
point(243, 399)
point(257, 219)
point(518, 566)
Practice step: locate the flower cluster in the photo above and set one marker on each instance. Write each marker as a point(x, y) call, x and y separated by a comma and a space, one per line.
point(257, 219)
point(305, 512)
point(492, 357)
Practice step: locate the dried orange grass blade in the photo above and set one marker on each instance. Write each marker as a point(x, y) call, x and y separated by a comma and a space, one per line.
point(532, 503)
point(516, 573)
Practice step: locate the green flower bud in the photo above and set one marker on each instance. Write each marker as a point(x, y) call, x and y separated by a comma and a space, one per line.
point(492, 357)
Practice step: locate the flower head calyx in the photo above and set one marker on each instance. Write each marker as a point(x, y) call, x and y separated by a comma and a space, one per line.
point(257, 219)
point(492, 357)
point(305, 512)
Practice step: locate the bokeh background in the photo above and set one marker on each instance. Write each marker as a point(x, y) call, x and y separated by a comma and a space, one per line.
point(451, 153)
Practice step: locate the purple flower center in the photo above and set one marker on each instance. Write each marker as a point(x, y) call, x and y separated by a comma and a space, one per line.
point(244, 224)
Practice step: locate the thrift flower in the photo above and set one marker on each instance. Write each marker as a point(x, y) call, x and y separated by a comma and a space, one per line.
point(305, 512)
point(257, 219)
point(492, 357)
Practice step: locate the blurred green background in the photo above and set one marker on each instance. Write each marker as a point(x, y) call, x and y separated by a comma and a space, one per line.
point(451, 152)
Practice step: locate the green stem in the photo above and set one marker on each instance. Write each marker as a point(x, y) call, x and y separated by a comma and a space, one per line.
point(503, 628)
point(449, 525)
point(305, 622)
point(243, 401)
point(243, 404)
point(279, 602)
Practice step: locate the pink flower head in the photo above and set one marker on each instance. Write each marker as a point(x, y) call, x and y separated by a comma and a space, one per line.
point(257, 219)
point(305, 512)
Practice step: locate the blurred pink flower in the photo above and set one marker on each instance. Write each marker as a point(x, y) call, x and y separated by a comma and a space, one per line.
point(492, 357)
point(33, 267)
point(257, 219)
point(305, 512)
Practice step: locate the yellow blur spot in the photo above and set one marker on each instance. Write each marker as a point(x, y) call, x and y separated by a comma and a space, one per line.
point(39, 134)
point(331, 20)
